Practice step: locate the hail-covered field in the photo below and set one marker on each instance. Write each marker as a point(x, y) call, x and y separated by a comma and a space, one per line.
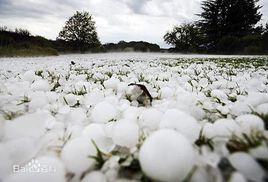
point(78, 119)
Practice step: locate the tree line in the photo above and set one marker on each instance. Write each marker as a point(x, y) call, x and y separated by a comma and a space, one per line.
point(224, 27)
point(78, 35)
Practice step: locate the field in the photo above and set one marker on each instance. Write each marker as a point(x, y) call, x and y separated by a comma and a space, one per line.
point(76, 118)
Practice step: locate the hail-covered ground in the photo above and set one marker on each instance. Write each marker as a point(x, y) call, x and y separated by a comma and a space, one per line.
point(75, 118)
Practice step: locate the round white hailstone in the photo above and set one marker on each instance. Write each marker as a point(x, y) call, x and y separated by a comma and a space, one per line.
point(240, 108)
point(103, 112)
point(94, 176)
point(182, 122)
point(64, 110)
point(219, 94)
point(123, 104)
point(5, 164)
point(108, 129)
point(74, 130)
point(31, 125)
point(131, 114)
point(255, 84)
point(40, 85)
point(187, 99)
point(111, 83)
point(12, 87)
point(246, 165)
point(63, 113)
point(126, 133)
point(37, 102)
point(93, 130)
point(250, 122)
point(237, 177)
point(77, 115)
point(75, 154)
point(122, 87)
point(260, 152)
point(166, 155)
point(166, 93)
point(256, 98)
point(262, 109)
point(71, 99)
point(112, 100)
point(223, 109)
point(218, 84)
point(225, 127)
point(52, 97)
point(2, 129)
point(150, 118)
point(29, 76)
point(21, 149)
point(94, 97)
point(209, 131)
point(96, 133)
point(53, 170)
point(203, 82)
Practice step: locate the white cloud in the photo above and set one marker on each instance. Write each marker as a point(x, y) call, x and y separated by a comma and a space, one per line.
point(115, 19)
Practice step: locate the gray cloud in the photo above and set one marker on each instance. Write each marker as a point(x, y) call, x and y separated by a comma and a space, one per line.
point(115, 19)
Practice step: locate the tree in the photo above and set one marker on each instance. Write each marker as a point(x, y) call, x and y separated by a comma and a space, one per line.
point(223, 18)
point(186, 37)
point(80, 30)
point(22, 32)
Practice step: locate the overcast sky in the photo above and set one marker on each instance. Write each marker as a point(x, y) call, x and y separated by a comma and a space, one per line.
point(115, 19)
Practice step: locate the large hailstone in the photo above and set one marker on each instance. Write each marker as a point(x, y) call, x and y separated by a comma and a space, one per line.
point(103, 112)
point(166, 155)
point(97, 133)
point(237, 177)
point(29, 76)
point(256, 98)
point(21, 149)
point(225, 128)
point(94, 176)
point(38, 100)
point(250, 122)
point(246, 165)
point(40, 85)
point(93, 98)
point(6, 162)
point(77, 116)
point(166, 93)
point(131, 113)
point(262, 109)
point(75, 154)
point(30, 125)
point(111, 83)
point(126, 133)
point(150, 118)
point(182, 122)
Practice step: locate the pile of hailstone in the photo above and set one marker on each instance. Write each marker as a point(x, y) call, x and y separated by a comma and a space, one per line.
point(207, 122)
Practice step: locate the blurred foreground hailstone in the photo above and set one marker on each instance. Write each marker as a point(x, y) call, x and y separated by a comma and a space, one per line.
point(103, 112)
point(166, 155)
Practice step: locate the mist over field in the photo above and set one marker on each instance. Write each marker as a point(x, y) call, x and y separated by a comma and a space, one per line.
point(133, 91)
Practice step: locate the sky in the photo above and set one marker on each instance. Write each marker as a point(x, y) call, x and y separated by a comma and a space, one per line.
point(129, 20)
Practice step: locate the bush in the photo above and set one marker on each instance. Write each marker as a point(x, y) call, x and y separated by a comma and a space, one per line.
point(25, 52)
point(253, 50)
point(229, 45)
